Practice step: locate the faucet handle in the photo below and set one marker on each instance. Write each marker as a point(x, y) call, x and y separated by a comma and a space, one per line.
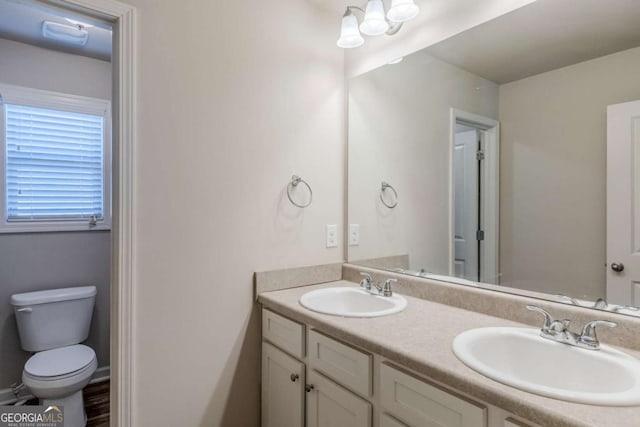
point(366, 281)
point(560, 325)
point(386, 288)
point(589, 337)
point(548, 320)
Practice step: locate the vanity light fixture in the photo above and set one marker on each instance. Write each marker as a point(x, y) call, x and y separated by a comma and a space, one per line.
point(375, 21)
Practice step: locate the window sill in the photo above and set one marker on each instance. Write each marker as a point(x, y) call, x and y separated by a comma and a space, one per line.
point(48, 227)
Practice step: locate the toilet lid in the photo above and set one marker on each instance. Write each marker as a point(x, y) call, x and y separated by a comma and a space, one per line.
point(59, 361)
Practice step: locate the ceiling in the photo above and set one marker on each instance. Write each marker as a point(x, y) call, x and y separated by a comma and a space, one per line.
point(543, 36)
point(21, 20)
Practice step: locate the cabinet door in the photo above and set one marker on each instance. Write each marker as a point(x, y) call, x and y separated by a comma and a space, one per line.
point(283, 380)
point(329, 405)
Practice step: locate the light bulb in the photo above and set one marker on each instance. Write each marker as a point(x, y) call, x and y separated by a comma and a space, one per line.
point(374, 22)
point(402, 10)
point(349, 33)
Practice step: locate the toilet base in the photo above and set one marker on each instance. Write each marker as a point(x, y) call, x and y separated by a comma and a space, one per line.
point(74, 414)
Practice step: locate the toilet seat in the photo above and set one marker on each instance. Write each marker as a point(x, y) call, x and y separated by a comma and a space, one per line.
point(60, 363)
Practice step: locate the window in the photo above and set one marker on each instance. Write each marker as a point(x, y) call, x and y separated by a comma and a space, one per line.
point(56, 156)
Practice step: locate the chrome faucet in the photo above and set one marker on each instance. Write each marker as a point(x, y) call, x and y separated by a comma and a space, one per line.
point(599, 304)
point(558, 330)
point(369, 285)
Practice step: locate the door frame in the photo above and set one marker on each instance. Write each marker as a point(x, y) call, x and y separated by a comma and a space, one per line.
point(123, 230)
point(490, 198)
point(621, 245)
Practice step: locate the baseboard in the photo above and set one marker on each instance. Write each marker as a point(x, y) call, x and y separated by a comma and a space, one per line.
point(101, 374)
point(8, 398)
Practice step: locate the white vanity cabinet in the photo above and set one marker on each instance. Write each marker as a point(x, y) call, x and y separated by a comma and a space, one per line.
point(312, 390)
point(312, 380)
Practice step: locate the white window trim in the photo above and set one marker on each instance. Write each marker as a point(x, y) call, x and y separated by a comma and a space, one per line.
point(58, 101)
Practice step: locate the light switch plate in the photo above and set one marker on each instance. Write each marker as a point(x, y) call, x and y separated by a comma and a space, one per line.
point(332, 236)
point(354, 234)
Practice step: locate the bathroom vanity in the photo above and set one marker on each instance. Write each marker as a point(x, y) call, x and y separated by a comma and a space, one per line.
point(396, 370)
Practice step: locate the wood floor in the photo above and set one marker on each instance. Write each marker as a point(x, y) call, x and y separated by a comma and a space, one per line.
point(96, 404)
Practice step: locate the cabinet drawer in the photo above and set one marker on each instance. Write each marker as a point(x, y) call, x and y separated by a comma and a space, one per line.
point(388, 421)
point(421, 404)
point(345, 365)
point(284, 333)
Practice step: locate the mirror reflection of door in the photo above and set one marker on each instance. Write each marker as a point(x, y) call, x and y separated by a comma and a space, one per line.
point(623, 203)
point(467, 191)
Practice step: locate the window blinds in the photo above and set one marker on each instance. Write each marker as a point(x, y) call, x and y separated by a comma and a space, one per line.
point(54, 164)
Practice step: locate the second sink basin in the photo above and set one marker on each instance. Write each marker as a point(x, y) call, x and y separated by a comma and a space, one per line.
point(520, 358)
point(351, 302)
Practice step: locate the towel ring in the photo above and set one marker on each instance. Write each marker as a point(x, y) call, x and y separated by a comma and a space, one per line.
point(386, 185)
point(295, 180)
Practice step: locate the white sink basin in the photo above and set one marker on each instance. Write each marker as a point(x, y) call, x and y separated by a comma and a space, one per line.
point(352, 302)
point(522, 359)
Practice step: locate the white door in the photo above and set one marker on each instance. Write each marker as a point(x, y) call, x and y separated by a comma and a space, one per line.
point(623, 203)
point(283, 382)
point(329, 405)
point(466, 204)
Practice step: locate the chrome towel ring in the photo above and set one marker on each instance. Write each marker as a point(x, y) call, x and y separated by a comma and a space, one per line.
point(385, 186)
point(295, 180)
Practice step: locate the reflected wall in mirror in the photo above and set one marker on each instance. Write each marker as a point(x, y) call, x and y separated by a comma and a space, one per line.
point(511, 152)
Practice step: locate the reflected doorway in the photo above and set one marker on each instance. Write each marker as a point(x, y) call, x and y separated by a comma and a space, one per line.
point(474, 197)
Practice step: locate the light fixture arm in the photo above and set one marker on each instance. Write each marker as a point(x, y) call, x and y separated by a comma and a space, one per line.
point(350, 8)
point(394, 27)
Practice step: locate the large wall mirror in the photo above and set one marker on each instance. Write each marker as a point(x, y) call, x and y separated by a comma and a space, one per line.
point(507, 156)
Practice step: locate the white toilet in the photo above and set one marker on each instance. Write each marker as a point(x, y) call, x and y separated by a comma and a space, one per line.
point(53, 323)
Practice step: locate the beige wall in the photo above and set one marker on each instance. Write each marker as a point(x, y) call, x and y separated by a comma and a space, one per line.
point(399, 132)
point(437, 21)
point(38, 261)
point(553, 178)
point(234, 97)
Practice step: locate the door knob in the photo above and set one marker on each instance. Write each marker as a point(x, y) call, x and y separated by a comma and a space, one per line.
point(294, 377)
point(309, 387)
point(618, 267)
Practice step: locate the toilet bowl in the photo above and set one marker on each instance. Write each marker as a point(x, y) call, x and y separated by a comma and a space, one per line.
point(52, 324)
point(58, 376)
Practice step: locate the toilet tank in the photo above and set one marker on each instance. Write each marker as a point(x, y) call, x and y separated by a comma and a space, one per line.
point(53, 318)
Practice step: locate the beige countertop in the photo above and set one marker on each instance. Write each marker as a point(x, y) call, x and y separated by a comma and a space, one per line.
point(420, 338)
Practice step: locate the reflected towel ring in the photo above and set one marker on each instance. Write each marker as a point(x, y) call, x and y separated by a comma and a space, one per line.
point(295, 180)
point(386, 185)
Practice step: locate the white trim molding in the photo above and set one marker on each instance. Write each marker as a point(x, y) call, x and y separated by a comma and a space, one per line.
point(124, 60)
point(490, 200)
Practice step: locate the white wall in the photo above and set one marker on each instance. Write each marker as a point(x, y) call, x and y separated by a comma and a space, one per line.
point(399, 132)
point(553, 177)
point(234, 97)
point(38, 261)
point(437, 21)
